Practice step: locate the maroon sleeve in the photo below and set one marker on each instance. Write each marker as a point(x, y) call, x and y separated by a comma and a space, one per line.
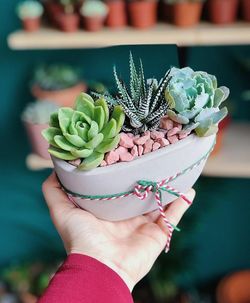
point(82, 279)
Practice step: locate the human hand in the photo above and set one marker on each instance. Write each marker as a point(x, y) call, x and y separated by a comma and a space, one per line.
point(129, 247)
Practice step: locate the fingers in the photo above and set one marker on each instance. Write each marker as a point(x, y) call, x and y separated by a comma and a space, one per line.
point(56, 199)
point(176, 210)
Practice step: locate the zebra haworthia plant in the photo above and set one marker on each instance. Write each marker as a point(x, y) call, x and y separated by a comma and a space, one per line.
point(86, 132)
point(143, 102)
point(194, 99)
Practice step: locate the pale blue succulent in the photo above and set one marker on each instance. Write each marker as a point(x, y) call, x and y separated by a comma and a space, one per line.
point(194, 99)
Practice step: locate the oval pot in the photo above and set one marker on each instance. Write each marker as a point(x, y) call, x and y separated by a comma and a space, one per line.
point(123, 177)
point(63, 97)
point(222, 11)
point(245, 7)
point(181, 18)
point(117, 16)
point(93, 24)
point(31, 24)
point(68, 22)
point(142, 14)
point(38, 144)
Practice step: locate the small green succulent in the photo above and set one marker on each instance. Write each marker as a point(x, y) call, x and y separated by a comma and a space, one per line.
point(194, 100)
point(92, 8)
point(143, 102)
point(86, 132)
point(29, 9)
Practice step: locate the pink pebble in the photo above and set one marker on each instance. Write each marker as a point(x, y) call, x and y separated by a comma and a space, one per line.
point(140, 150)
point(130, 135)
point(173, 131)
point(103, 163)
point(126, 141)
point(173, 139)
point(75, 163)
point(163, 142)
point(157, 135)
point(183, 135)
point(156, 146)
point(134, 151)
point(148, 146)
point(111, 157)
point(166, 123)
point(126, 157)
point(121, 150)
point(178, 125)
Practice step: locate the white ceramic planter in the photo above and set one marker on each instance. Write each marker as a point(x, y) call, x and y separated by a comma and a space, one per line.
point(122, 177)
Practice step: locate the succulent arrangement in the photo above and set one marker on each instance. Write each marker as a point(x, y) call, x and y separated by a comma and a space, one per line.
point(93, 8)
point(29, 9)
point(56, 77)
point(141, 117)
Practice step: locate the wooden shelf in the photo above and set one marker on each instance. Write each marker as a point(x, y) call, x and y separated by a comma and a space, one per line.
point(233, 160)
point(203, 34)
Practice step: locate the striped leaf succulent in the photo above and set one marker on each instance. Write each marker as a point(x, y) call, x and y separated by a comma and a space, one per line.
point(194, 99)
point(143, 102)
point(86, 132)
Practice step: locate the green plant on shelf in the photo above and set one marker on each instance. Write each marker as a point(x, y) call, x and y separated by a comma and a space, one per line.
point(56, 76)
point(93, 8)
point(29, 9)
point(88, 132)
point(194, 99)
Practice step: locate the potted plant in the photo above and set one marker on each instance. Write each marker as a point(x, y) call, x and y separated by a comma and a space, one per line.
point(59, 83)
point(159, 131)
point(142, 13)
point(52, 10)
point(117, 15)
point(245, 8)
point(185, 13)
point(93, 14)
point(68, 20)
point(30, 12)
point(222, 11)
point(36, 118)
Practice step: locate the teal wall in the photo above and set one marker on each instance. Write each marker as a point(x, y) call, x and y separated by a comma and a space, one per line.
point(220, 237)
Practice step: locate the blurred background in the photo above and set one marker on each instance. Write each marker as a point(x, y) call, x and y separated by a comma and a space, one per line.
point(52, 50)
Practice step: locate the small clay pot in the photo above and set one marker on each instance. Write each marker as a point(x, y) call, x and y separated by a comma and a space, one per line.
point(222, 11)
point(245, 8)
point(142, 14)
point(31, 24)
point(117, 16)
point(68, 22)
point(93, 24)
point(63, 97)
point(38, 144)
point(186, 14)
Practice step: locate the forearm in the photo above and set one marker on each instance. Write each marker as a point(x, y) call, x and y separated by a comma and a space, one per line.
point(84, 279)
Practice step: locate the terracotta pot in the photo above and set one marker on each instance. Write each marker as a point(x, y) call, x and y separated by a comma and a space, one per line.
point(234, 288)
point(31, 24)
point(186, 14)
point(68, 22)
point(117, 16)
point(245, 6)
point(53, 10)
point(38, 144)
point(123, 177)
point(220, 136)
point(64, 97)
point(93, 24)
point(222, 11)
point(142, 14)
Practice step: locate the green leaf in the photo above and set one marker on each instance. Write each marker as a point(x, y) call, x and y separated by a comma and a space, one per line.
point(93, 161)
point(75, 140)
point(63, 143)
point(206, 131)
point(220, 95)
point(72, 129)
point(109, 130)
point(54, 122)
point(219, 115)
point(79, 116)
point(93, 131)
point(99, 117)
point(82, 153)
point(169, 99)
point(177, 118)
point(92, 144)
point(108, 145)
point(61, 154)
point(85, 104)
point(50, 133)
point(119, 116)
point(65, 115)
point(82, 130)
point(101, 102)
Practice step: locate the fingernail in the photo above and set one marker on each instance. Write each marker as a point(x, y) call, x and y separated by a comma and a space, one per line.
point(191, 194)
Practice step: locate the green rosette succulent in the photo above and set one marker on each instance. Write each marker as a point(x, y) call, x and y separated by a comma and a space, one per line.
point(86, 132)
point(194, 99)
